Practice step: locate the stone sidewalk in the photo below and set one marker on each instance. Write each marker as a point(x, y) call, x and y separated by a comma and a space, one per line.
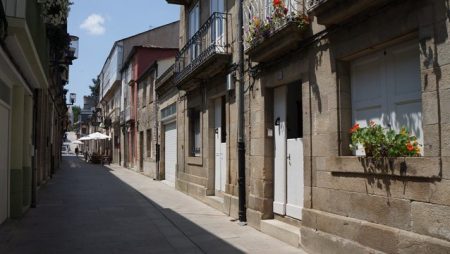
point(89, 208)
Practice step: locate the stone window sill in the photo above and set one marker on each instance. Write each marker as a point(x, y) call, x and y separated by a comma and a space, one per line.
point(195, 161)
point(423, 167)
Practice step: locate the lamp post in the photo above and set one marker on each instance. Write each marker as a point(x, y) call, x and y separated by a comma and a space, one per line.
point(73, 47)
point(72, 98)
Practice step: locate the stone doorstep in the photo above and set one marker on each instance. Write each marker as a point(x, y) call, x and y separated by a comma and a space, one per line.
point(281, 231)
point(215, 202)
point(168, 183)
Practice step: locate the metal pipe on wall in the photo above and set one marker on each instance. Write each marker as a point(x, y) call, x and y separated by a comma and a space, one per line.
point(241, 142)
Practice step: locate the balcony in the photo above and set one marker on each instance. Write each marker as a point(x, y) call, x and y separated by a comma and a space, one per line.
point(331, 12)
point(164, 78)
point(273, 30)
point(205, 54)
point(114, 115)
point(111, 77)
point(129, 116)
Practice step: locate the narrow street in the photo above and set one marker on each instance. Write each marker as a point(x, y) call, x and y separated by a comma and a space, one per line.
point(90, 208)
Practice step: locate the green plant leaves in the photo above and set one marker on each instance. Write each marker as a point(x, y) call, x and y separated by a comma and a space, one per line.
point(379, 142)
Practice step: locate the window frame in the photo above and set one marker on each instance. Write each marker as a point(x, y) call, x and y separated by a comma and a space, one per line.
point(194, 114)
point(148, 143)
point(344, 94)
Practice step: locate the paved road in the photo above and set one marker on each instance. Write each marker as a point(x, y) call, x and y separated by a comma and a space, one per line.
point(88, 208)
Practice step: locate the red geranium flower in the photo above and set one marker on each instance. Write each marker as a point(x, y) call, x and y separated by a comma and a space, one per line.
point(276, 2)
point(409, 147)
point(354, 128)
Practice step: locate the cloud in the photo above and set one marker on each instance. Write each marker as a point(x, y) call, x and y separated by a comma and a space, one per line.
point(94, 24)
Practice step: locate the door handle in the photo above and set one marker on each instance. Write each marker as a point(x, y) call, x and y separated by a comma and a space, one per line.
point(277, 121)
point(216, 130)
point(288, 157)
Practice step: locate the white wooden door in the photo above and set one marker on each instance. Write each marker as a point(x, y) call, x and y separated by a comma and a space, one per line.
point(289, 165)
point(295, 181)
point(279, 202)
point(386, 89)
point(219, 147)
point(4, 160)
point(170, 151)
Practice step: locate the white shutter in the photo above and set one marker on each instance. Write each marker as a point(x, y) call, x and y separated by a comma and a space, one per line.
point(170, 153)
point(386, 89)
point(403, 82)
point(369, 100)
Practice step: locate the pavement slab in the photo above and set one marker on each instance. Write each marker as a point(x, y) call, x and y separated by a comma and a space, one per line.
point(89, 208)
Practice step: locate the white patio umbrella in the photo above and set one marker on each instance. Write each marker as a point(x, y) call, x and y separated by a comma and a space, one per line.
point(84, 138)
point(78, 142)
point(98, 135)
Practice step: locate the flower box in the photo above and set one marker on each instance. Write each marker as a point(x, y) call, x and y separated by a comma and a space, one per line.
point(277, 43)
point(421, 167)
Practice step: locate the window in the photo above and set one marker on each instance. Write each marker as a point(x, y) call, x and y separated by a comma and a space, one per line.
point(144, 93)
point(168, 111)
point(268, 8)
point(386, 88)
point(194, 133)
point(294, 116)
point(149, 143)
point(150, 90)
point(194, 25)
point(217, 35)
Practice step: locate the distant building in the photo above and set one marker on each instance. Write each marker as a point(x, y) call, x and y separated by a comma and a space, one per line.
point(85, 115)
point(137, 52)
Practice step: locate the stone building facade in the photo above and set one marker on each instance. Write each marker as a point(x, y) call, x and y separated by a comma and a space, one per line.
point(139, 114)
point(207, 109)
point(147, 115)
point(306, 85)
point(375, 50)
point(112, 89)
point(167, 96)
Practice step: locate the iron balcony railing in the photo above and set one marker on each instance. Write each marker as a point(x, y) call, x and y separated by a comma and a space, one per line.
point(114, 114)
point(3, 23)
point(165, 75)
point(263, 12)
point(210, 39)
point(311, 4)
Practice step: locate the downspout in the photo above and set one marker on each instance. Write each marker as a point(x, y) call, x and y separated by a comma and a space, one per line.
point(34, 161)
point(310, 144)
point(241, 142)
point(155, 115)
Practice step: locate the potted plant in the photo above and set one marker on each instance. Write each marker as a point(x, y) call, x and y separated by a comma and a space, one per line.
point(259, 29)
point(55, 12)
point(378, 142)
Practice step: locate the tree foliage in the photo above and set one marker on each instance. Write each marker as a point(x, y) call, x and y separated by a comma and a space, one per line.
point(76, 113)
point(95, 87)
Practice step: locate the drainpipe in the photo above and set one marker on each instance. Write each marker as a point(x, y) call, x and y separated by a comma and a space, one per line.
point(155, 115)
point(35, 154)
point(241, 142)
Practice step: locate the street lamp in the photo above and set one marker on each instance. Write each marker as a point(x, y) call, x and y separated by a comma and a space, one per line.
point(72, 98)
point(73, 48)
